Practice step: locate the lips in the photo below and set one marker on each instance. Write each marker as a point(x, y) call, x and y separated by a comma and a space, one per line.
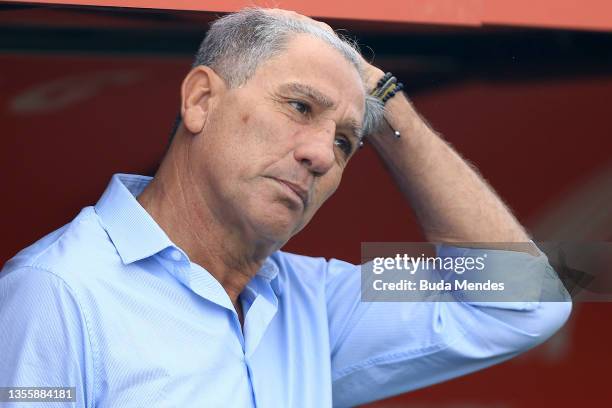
point(300, 191)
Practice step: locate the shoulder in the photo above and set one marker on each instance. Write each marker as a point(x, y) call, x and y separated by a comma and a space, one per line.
point(308, 270)
point(288, 261)
point(71, 253)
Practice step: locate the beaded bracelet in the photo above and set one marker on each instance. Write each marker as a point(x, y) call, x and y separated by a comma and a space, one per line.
point(386, 88)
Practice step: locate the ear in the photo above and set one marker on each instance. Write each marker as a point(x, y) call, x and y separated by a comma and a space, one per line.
point(200, 84)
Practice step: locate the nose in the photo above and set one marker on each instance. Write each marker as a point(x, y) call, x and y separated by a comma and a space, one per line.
point(315, 149)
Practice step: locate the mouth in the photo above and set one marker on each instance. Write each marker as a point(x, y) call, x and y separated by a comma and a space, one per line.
point(295, 191)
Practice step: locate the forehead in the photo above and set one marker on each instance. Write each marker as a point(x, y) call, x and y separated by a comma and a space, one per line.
point(321, 100)
point(318, 67)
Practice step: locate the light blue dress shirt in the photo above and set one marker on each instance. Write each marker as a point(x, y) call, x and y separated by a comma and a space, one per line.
point(109, 305)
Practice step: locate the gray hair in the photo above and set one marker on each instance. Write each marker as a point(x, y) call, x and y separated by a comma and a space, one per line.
point(238, 43)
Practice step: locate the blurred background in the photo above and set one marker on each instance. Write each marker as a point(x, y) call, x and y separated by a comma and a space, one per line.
point(523, 90)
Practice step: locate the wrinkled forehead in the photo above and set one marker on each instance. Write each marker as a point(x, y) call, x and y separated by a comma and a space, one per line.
point(324, 73)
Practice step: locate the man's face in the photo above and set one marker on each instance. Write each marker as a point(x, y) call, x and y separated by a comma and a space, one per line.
point(272, 151)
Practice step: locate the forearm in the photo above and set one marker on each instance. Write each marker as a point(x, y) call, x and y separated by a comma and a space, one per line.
point(451, 201)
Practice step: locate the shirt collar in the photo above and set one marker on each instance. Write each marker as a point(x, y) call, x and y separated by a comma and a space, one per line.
point(137, 236)
point(133, 231)
point(269, 271)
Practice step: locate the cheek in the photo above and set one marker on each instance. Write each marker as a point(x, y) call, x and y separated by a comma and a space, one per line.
point(233, 138)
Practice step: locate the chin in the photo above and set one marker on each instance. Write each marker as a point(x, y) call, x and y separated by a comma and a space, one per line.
point(277, 224)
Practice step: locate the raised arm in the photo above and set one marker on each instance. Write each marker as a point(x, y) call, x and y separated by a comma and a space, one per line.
point(451, 200)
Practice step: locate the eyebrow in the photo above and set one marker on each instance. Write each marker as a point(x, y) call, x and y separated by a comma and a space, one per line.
point(324, 101)
point(308, 91)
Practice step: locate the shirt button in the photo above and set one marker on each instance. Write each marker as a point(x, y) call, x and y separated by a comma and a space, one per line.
point(176, 255)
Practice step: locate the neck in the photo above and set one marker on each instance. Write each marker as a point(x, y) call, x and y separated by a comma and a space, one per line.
point(230, 254)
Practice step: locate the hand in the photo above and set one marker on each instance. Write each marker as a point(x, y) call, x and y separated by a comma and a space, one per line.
point(371, 75)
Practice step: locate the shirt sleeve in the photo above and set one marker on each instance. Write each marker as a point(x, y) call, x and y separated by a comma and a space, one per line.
point(43, 336)
point(380, 349)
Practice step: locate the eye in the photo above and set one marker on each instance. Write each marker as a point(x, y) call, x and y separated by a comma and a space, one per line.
point(301, 107)
point(344, 144)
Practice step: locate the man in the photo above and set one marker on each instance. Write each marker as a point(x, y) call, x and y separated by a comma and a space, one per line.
point(173, 292)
